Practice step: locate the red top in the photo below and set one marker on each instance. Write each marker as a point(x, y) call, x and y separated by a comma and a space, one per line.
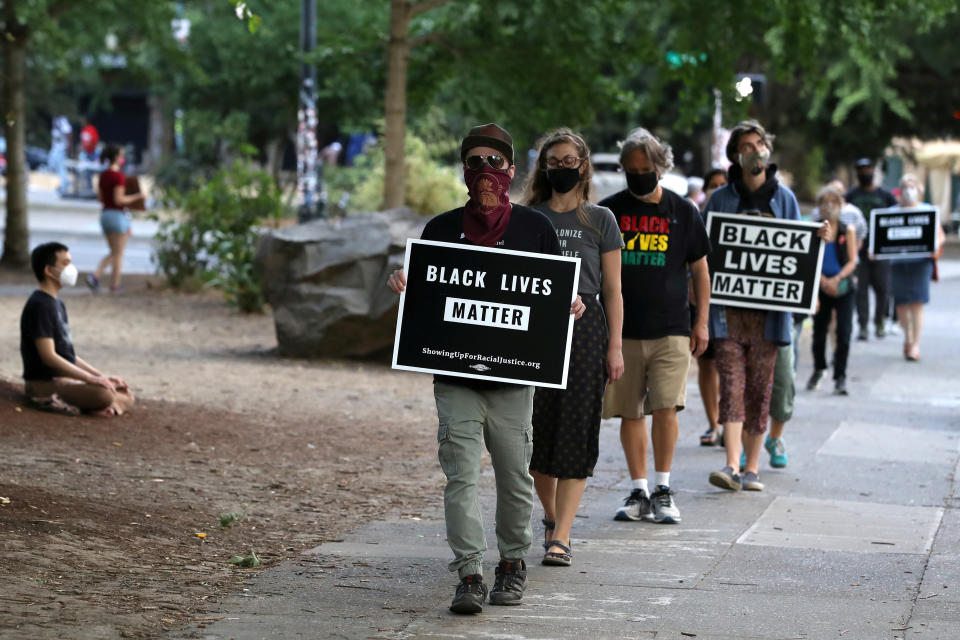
point(109, 180)
point(89, 137)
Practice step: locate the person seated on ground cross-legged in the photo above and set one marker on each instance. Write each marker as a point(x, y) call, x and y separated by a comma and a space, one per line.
point(54, 376)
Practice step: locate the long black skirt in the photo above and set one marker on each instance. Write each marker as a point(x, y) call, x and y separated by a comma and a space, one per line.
point(566, 422)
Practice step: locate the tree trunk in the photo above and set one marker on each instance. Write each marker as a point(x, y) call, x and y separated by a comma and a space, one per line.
point(16, 241)
point(159, 133)
point(398, 54)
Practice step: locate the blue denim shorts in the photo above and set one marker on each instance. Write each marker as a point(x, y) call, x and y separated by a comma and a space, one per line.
point(114, 221)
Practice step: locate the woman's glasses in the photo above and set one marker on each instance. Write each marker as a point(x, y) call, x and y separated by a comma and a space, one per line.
point(494, 162)
point(568, 162)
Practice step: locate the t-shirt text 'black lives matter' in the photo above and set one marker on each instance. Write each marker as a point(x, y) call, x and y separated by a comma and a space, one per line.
point(660, 241)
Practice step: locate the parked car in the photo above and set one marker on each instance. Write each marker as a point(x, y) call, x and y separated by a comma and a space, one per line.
point(608, 178)
point(36, 156)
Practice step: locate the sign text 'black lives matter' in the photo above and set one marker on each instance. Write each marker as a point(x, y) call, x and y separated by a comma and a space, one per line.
point(484, 313)
point(909, 232)
point(761, 262)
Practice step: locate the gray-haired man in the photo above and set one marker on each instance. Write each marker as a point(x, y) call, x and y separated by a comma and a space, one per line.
point(664, 237)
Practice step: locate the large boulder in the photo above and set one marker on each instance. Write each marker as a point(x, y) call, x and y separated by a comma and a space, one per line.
point(326, 282)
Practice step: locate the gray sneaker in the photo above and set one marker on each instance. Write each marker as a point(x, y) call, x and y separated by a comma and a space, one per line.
point(751, 481)
point(664, 508)
point(636, 507)
point(814, 382)
point(726, 479)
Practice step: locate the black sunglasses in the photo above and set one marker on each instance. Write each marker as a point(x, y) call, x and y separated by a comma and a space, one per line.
point(494, 161)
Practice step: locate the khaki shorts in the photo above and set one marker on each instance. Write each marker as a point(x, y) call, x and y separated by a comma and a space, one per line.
point(654, 377)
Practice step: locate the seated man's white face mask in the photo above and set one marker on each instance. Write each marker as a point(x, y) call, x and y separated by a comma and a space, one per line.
point(68, 275)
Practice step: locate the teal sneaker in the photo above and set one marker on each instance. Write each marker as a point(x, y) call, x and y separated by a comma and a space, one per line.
point(778, 454)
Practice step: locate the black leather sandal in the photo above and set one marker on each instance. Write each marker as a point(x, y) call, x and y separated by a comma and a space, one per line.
point(556, 558)
point(709, 438)
point(548, 525)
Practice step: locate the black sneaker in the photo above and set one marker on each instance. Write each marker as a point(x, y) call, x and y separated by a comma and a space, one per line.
point(636, 507)
point(863, 336)
point(814, 382)
point(840, 387)
point(471, 592)
point(510, 583)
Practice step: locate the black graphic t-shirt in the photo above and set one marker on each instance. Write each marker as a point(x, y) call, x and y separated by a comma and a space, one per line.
point(865, 200)
point(661, 240)
point(44, 317)
point(528, 230)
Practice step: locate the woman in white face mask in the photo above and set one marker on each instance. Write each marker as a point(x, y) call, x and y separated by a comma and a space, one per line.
point(910, 277)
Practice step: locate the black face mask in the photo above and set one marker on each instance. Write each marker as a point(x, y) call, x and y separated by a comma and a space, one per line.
point(865, 179)
point(563, 179)
point(642, 184)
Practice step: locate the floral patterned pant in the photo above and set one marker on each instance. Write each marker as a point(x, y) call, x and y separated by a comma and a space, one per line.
point(745, 361)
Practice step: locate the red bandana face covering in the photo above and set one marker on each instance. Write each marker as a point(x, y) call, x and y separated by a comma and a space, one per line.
point(487, 212)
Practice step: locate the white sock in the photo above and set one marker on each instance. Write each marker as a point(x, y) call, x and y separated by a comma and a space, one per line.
point(641, 483)
point(662, 478)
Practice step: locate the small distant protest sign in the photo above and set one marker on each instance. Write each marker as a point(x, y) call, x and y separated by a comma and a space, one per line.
point(491, 314)
point(760, 262)
point(903, 232)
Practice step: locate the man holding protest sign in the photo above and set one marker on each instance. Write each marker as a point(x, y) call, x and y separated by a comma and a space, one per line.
point(747, 335)
point(472, 411)
point(664, 237)
point(871, 273)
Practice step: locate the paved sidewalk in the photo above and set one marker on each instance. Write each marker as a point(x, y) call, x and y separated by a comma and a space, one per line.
point(76, 223)
point(859, 537)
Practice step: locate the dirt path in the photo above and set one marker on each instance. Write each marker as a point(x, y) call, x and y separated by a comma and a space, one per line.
point(99, 536)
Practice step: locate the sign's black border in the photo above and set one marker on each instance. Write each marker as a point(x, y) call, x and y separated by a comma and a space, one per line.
point(411, 242)
point(739, 217)
point(901, 255)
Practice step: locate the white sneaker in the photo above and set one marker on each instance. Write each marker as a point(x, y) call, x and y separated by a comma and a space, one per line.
point(664, 508)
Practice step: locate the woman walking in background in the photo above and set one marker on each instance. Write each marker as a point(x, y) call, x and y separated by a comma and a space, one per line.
point(910, 278)
point(114, 221)
point(566, 422)
point(837, 292)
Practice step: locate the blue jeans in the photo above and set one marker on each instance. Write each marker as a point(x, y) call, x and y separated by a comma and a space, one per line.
point(57, 162)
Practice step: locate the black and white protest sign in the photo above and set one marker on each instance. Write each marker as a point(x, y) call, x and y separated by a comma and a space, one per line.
point(762, 262)
point(493, 314)
point(909, 232)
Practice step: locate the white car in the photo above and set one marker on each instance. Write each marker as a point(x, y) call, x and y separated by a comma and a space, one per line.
point(608, 177)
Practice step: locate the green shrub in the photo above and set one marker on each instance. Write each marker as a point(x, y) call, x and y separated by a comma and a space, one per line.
point(213, 241)
point(431, 186)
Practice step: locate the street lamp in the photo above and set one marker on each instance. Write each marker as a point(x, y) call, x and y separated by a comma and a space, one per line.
point(309, 170)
